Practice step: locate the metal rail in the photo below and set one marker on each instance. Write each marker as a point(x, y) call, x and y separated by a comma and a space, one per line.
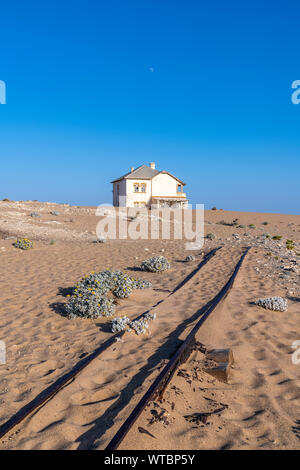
point(160, 383)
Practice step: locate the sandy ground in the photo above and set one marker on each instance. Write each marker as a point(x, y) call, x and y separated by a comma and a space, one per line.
point(262, 398)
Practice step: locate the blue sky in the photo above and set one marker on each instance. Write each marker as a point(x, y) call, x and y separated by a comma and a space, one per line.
point(201, 88)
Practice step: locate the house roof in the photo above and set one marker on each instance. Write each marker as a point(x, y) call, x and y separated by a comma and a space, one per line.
point(144, 172)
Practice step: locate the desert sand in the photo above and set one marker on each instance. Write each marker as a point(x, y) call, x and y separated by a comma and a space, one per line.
point(262, 399)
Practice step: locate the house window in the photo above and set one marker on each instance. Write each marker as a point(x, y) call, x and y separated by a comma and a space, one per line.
point(179, 188)
point(139, 204)
point(139, 187)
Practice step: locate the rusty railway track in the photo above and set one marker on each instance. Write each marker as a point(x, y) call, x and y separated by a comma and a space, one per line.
point(47, 394)
point(159, 385)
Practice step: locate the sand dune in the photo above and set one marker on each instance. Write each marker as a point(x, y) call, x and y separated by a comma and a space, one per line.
point(42, 344)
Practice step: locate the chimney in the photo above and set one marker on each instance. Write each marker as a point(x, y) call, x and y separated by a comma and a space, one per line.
point(131, 169)
point(152, 165)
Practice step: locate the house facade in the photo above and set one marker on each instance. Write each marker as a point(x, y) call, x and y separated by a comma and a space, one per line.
point(145, 187)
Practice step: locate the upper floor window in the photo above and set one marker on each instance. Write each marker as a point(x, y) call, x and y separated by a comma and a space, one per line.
point(139, 187)
point(179, 188)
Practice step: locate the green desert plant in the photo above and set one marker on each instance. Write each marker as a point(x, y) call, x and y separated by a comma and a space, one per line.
point(290, 244)
point(277, 237)
point(251, 226)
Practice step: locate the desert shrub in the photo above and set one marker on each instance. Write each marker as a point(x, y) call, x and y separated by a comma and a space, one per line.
point(213, 208)
point(122, 291)
point(5, 199)
point(210, 236)
point(141, 284)
point(234, 223)
point(138, 326)
point(277, 237)
point(35, 214)
point(251, 226)
point(23, 244)
point(241, 226)
point(89, 298)
point(265, 223)
point(119, 324)
point(157, 264)
point(91, 305)
point(54, 213)
point(51, 242)
point(278, 304)
point(290, 244)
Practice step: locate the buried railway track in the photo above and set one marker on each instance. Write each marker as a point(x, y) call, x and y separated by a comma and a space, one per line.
point(48, 393)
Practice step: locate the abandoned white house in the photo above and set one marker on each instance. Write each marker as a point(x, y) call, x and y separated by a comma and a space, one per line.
point(145, 187)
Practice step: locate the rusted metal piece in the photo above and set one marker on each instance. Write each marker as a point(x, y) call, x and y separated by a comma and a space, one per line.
point(181, 355)
point(54, 388)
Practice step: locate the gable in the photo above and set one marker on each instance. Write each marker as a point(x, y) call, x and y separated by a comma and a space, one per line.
point(170, 176)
